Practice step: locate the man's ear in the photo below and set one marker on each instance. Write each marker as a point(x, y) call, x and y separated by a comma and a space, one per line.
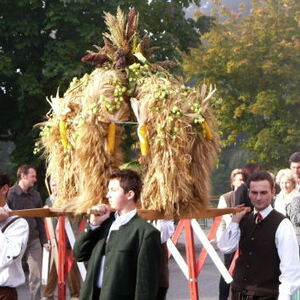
point(274, 191)
point(130, 195)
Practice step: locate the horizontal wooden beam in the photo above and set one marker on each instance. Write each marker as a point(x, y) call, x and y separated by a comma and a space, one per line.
point(144, 213)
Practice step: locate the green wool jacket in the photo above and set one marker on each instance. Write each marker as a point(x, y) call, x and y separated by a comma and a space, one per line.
point(132, 260)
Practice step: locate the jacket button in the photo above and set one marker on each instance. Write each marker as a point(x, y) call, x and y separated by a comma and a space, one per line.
point(247, 266)
point(250, 253)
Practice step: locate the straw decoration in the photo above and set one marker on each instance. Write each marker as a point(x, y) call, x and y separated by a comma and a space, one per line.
point(81, 135)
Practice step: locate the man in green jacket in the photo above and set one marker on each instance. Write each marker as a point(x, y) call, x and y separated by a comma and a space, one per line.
point(123, 251)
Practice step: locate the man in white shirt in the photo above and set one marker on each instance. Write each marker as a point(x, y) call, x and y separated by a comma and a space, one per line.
point(13, 239)
point(295, 167)
point(123, 250)
point(237, 178)
point(268, 265)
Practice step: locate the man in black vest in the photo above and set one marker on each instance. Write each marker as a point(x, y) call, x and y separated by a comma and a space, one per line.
point(268, 265)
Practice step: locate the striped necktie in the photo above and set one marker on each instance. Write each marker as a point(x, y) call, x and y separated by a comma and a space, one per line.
point(258, 218)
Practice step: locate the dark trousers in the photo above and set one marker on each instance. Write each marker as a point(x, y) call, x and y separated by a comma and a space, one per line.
point(224, 287)
point(161, 294)
point(247, 296)
point(8, 293)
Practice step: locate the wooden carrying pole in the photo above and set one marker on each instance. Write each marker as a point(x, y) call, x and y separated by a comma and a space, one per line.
point(143, 213)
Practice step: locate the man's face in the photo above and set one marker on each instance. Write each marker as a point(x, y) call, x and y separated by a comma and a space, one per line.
point(261, 194)
point(53, 187)
point(116, 196)
point(3, 192)
point(29, 179)
point(295, 167)
point(237, 181)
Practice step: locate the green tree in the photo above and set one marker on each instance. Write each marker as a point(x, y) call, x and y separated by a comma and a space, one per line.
point(254, 61)
point(41, 43)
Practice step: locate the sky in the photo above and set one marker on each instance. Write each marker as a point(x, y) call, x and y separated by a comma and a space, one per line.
point(206, 6)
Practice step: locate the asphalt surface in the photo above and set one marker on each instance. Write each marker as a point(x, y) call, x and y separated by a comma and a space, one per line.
point(208, 279)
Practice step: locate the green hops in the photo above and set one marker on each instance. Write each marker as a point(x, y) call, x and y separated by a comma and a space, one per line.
point(196, 107)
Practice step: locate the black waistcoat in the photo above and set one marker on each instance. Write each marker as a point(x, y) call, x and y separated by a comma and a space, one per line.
point(257, 267)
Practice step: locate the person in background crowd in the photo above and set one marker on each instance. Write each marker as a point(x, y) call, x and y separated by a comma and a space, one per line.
point(268, 265)
point(13, 239)
point(228, 200)
point(287, 182)
point(293, 213)
point(166, 228)
point(123, 251)
point(24, 196)
point(295, 167)
point(241, 193)
point(73, 278)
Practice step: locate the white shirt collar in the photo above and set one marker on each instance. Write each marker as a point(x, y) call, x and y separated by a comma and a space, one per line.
point(125, 218)
point(264, 212)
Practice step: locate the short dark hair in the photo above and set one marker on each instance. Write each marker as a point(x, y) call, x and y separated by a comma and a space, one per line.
point(4, 179)
point(129, 181)
point(261, 175)
point(295, 157)
point(24, 169)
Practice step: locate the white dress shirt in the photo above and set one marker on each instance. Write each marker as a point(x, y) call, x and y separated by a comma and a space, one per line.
point(13, 245)
point(166, 228)
point(226, 219)
point(116, 224)
point(287, 247)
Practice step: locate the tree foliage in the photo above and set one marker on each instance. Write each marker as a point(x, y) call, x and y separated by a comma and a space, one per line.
point(254, 60)
point(42, 43)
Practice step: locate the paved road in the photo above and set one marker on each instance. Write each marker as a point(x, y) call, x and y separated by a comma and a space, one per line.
point(207, 281)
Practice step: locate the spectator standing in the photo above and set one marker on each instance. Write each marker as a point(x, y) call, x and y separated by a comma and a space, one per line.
point(268, 265)
point(228, 200)
point(24, 196)
point(73, 278)
point(287, 181)
point(13, 239)
point(293, 212)
point(295, 167)
point(166, 228)
point(123, 251)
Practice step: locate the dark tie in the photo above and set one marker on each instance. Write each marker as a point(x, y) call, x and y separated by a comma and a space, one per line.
point(258, 217)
